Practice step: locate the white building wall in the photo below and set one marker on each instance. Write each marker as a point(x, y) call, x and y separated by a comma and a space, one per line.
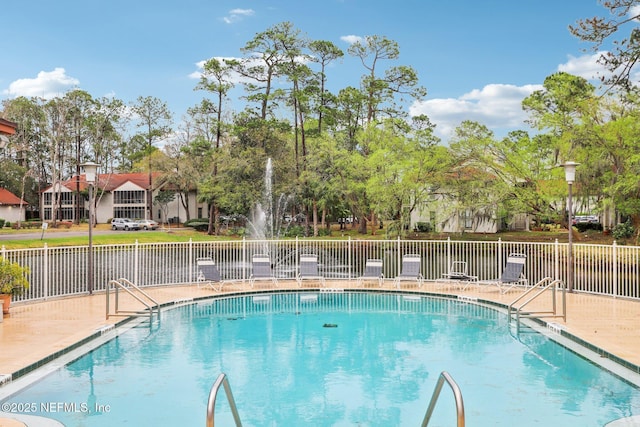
point(12, 213)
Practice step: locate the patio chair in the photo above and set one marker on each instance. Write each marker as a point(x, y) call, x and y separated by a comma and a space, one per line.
point(458, 274)
point(372, 272)
point(208, 274)
point(410, 270)
point(309, 269)
point(513, 274)
point(261, 270)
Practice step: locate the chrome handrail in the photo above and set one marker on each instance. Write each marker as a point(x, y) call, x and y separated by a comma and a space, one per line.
point(457, 394)
point(540, 287)
point(211, 403)
point(124, 284)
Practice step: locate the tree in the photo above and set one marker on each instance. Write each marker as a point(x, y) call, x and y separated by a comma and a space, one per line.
point(323, 52)
point(622, 59)
point(163, 198)
point(406, 166)
point(80, 106)
point(154, 117)
point(381, 90)
point(260, 67)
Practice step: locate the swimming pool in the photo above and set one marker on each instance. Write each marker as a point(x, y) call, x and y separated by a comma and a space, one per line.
point(330, 359)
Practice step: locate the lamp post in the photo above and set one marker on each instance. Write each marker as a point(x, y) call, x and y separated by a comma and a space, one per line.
point(90, 169)
point(570, 176)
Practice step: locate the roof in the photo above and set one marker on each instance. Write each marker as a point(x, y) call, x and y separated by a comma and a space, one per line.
point(7, 127)
point(8, 198)
point(110, 181)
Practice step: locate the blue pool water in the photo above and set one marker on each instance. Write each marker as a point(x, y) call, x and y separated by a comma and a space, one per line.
point(330, 360)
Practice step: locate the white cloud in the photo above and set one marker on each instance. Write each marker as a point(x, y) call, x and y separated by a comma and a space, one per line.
point(233, 77)
point(351, 39)
point(497, 106)
point(585, 66)
point(236, 15)
point(47, 85)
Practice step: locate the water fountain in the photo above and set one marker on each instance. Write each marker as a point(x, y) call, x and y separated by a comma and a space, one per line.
point(268, 214)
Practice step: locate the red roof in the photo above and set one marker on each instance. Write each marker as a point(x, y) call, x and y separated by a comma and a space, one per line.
point(111, 181)
point(7, 127)
point(8, 198)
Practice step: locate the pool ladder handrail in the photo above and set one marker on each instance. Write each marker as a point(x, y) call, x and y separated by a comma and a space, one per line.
point(539, 289)
point(126, 284)
point(457, 394)
point(211, 403)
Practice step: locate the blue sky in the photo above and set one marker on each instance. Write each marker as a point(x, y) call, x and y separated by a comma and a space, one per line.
point(477, 59)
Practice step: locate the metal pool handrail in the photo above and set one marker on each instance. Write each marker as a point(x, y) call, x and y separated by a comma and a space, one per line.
point(211, 403)
point(539, 289)
point(125, 285)
point(457, 394)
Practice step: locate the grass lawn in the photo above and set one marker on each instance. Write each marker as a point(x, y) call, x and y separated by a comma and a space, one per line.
point(104, 236)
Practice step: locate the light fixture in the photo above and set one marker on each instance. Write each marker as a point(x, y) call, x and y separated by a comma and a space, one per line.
point(90, 170)
point(570, 171)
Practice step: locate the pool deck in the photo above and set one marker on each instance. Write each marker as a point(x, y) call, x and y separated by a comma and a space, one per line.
point(33, 332)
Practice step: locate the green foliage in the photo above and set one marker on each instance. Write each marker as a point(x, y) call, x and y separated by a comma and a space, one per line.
point(13, 277)
point(199, 224)
point(584, 226)
point(623, 231)
point(424, 227)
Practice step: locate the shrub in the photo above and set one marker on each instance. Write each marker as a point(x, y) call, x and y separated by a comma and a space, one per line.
point(623, 231)
point(197, 225)
point(13, 277)
point(424, 227)
point(584, 226)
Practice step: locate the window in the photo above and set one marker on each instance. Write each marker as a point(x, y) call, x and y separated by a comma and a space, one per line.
point(467, 219)
point(128, 212)
point(128, 197)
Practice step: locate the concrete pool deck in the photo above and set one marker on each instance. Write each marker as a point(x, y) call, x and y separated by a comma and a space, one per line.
point(33, 334)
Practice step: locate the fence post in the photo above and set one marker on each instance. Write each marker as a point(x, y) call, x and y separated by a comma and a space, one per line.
point(614, 265)
point(45, 271)
point(499, 266)
point(349, 255)
point(399, 259)
point(244, 258)
point(191, 260)
point(297, 252)
point(448, 253)
point(556, 259)
point(136, 263)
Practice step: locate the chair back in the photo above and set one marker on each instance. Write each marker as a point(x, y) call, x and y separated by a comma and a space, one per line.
point(458, 269)
point(208, 269)
point(514, 268)
point(261, 265)
point(309, 265)
point(373, 268)
point(410, 265)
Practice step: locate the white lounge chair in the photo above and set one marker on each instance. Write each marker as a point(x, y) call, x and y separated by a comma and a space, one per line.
point(410, 270)
point(459, 274)
point(372, 272)
point(208, 274)
point(261, 270)
point(513, 274)
point(309, 269)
